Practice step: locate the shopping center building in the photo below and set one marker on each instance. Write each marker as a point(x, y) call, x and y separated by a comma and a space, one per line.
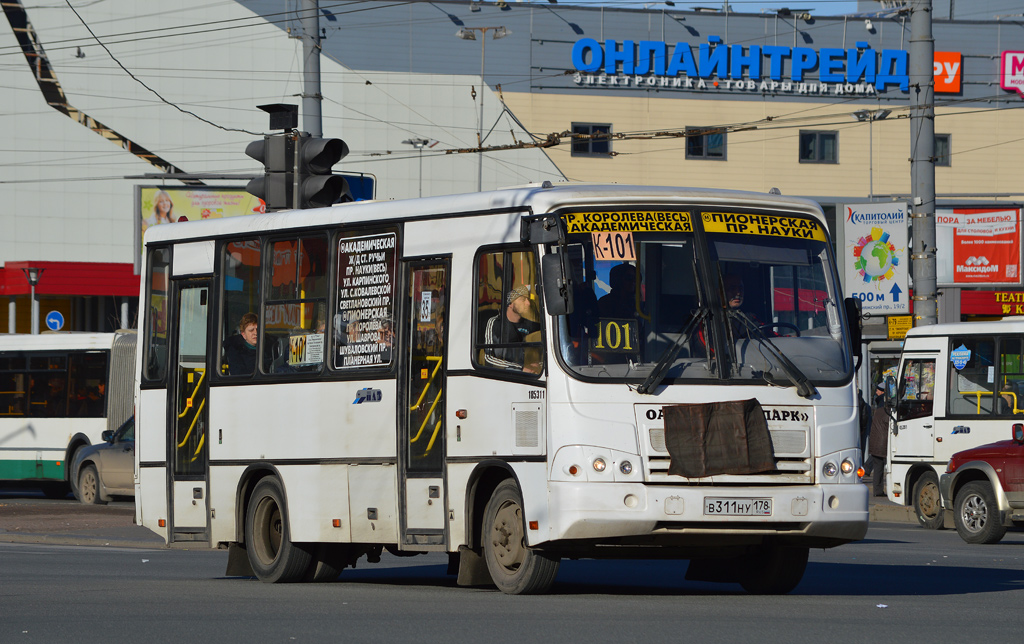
point(101, 102)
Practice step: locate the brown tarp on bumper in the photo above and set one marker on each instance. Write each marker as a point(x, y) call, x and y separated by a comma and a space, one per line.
point(729, 437)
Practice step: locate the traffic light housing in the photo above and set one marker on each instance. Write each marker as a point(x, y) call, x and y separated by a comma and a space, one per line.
point(277, 154)
point(314, 158)
point(318, 187)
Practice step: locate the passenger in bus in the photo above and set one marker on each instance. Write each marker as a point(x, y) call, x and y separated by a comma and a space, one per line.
point(512, 330)
point(734, 293)
point(620, 302)
point(56, 398)
point(240, 350)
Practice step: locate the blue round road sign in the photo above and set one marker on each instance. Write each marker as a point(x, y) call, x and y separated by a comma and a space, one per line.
point(54, 321)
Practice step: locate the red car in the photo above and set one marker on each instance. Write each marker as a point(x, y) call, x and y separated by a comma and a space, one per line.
point(984, 486)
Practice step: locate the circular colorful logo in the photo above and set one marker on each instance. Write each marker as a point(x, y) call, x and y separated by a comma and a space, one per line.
point(874, 257)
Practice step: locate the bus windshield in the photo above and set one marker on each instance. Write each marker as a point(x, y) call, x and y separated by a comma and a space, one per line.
point(741, 306)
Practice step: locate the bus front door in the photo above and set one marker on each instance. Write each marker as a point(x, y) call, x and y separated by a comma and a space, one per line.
point(188, 410)
point(422, 408)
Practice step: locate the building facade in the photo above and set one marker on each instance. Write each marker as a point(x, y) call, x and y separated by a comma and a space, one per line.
point(813, 106)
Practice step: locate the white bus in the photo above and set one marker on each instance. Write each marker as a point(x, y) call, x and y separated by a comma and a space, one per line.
point(58, 392)
point(510, 377)
point(959, 386)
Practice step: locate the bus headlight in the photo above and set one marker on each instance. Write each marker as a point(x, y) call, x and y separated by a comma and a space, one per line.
point(846, 466)
point(599, 464)
point(626, 467)
point(829, 469)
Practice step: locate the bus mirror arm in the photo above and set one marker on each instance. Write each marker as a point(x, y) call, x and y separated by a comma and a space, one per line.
point(856, 321)
point(557, 283)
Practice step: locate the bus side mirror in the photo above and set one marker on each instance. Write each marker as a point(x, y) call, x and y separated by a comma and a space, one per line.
point(542, 230)
point(856, 320)
point(1018, 433)
point(890, 392)
point(557, 283)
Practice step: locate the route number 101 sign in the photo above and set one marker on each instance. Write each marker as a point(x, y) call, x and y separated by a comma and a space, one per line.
point(613, 246)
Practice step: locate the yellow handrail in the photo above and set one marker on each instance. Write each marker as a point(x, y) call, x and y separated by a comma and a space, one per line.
point(977, 395)
point(192, 426)
point(436, 359)
point(202, 376)
point(426, 418)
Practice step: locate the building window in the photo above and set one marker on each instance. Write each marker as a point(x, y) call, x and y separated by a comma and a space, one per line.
point(701, 144)
point(943, 143)
point(591, 139)
point(819, 147)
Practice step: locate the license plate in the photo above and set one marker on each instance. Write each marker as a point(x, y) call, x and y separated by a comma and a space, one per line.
point(737, 507)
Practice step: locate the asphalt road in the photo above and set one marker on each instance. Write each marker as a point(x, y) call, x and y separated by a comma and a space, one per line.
point(902, 583)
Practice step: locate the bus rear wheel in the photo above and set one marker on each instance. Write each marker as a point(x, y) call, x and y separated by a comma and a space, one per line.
point(272, 555)
point(773, 570)
point(515, 569)
point(927, 503)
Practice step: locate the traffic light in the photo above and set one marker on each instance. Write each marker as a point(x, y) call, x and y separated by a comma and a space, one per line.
point(277, 154)
point(318, 187)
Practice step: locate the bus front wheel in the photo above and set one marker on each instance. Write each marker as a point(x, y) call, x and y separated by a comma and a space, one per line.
point(927, 503)
point(515, 569)
point(274, 558)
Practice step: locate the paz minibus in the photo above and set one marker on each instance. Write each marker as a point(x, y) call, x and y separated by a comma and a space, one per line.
point(959, 386)
point(511, 377)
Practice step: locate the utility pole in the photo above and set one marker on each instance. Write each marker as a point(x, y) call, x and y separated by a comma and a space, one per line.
point(922, 162)
point(312, 117)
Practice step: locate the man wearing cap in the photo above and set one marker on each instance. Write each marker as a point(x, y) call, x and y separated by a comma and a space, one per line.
point(511, 327)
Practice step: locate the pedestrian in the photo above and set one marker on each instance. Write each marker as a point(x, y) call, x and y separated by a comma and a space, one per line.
point(878, 443)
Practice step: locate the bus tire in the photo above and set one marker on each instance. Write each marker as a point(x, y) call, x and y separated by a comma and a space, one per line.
point(272, 555)
point(976, 514)
point(326, 562)
point(89, 486)
point(773, 570)
point(927, 503)
point(514, 568)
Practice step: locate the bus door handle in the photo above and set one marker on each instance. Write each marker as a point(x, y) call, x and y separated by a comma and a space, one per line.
point(926, 426)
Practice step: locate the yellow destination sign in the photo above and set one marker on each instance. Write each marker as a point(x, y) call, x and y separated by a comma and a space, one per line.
point(636, 222)
point(899, 325)
point(772, 225)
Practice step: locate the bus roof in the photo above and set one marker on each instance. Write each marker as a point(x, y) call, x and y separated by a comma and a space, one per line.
point(534, 198)
point(1006, 325)
point(56, 341)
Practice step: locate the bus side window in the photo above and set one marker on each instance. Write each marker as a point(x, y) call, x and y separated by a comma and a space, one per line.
point(241, 270)
point(154, 365)
point(88, 385)
point(971, 388)
point(1011, 376)
point(13, 395)
point(294, 315)
point(508, 323)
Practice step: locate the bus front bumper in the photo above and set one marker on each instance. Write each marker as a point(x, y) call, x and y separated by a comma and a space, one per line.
point(820, 516)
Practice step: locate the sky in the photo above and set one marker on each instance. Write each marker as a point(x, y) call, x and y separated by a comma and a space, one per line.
point(816, 7)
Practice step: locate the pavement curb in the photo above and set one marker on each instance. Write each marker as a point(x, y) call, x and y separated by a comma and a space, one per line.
point(78, 540)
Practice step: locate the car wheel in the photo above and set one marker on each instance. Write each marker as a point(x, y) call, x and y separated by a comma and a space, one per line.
point(515, 569)
point(89, 486)
point(272, 555)
point(977, 515)
point(773, 570)
point(927, 502)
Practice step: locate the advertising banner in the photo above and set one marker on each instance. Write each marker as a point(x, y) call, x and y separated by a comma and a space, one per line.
point(877, 262)
point(155, 205)
point(977, 246)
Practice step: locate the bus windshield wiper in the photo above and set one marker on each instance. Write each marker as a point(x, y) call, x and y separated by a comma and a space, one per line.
point(804, 388)
point(667, 358)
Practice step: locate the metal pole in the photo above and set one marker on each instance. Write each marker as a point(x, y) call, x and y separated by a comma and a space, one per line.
point(312, 118)
point(922, 162)
point(871, 157)
point(480, 127)
point(421, 170)
point(35, 310)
